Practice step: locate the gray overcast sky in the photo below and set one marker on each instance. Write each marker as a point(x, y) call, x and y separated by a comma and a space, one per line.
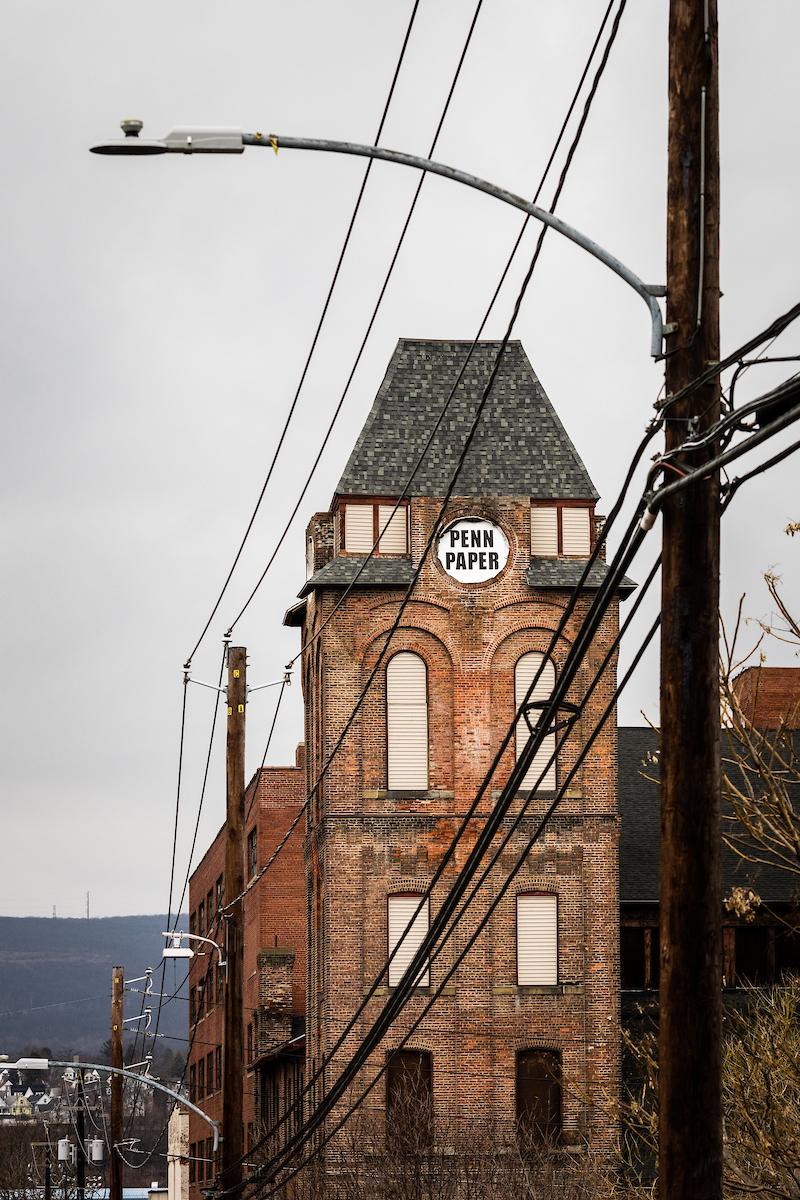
point(157, 312)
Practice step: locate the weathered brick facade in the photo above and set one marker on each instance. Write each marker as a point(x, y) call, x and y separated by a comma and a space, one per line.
point(317, 924)
point(365, 842)
point(274, 988)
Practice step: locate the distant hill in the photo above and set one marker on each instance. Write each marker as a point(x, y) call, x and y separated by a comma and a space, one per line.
point(55, 981)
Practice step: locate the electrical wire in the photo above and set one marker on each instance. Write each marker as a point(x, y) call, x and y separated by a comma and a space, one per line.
point(471, 940)
point(524, 286)
point(402, 238)
point(370, 324)
point(518, 818)
point(418, 569)
point(770, 333)
point(607, 589)
point(260, 771)
point(425, 952)
point(317, 332)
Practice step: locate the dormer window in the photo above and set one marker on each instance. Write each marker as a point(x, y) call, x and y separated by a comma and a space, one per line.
point(561, 530)
point(368, 522)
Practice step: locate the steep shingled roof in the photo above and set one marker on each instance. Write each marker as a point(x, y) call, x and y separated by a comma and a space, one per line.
point(521, 448)
point(640, 821)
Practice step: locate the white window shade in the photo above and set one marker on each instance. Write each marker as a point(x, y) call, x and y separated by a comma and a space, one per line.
point(537, 939)
point(524, 674)
point(575, 532)
point(401, 910)
point(358, 533)
point(407, 722)
point(392, 528)
point(544, 532)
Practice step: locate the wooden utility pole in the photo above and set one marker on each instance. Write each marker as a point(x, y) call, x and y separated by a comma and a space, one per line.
point(233, 1041)
point(690, 1101)
point(115, 1164)
point(80, 1133)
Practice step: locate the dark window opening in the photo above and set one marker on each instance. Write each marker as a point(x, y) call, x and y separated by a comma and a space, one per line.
point(539, 1095)
point(201, 1079)
point(193, 1162)
point(210, 910)
point(409, 1101)
point(787, 952)
point(638, 958)
point(249, 1042)
point(252, 851)
point(209, 1073)
point(218, 1064)
point(193, 923)
point(209, 1158)
point(192, 1005)
point(201, 918)
point(752, 955)
point(193, 1083)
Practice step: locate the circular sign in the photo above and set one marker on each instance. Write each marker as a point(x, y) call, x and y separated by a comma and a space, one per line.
point(472, 550)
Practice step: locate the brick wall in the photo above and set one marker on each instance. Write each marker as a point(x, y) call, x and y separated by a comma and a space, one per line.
point(770, 696)
point(364, 841)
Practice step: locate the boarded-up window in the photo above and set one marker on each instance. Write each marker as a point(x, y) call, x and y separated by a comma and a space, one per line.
point(539, 1094)
point(401, 909)
point(358, 532)
point(392, 528)
point(407, 722)
point(575, 532)
point(409, 1107)
point(544, 532)
point(537, 938)
point(524, 675)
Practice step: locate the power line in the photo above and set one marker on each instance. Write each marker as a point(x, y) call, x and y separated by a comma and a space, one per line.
point(315, 339)
point(413, 969)
point(370, 325)
point(417, 465)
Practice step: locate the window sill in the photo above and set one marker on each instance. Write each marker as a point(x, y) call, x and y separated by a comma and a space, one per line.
point(538, 989)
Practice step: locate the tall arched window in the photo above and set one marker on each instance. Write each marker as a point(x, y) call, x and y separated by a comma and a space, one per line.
point(524, 675)
point(539, 1094)
point(537, 938)
point(407, 722)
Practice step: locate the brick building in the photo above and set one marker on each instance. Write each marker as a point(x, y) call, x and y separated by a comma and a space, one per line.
point(536, 999)
point(274, 981)
point(534, 1005)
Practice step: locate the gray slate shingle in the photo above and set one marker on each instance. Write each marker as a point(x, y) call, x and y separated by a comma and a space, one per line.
point(639, 832)
point(520, 449)
point(379, 572)
point(562, 573)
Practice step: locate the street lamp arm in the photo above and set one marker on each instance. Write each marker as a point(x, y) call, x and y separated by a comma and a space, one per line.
point(212, 140)
point(44, 1063)
point(647, 292)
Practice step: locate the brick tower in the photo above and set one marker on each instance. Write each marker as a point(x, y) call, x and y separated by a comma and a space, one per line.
point(533, 1008)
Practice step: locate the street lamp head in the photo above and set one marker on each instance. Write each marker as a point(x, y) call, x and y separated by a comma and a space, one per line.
point(131, 143)
point(184, 140)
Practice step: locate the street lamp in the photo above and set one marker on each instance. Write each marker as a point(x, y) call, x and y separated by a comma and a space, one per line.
point(176, 950)
point(231, 140)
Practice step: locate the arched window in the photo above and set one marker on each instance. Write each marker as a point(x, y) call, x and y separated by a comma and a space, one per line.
point(537, 938)
point(524, 675)
point(407, 722)
point(400, 909)
point(539, 1094)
